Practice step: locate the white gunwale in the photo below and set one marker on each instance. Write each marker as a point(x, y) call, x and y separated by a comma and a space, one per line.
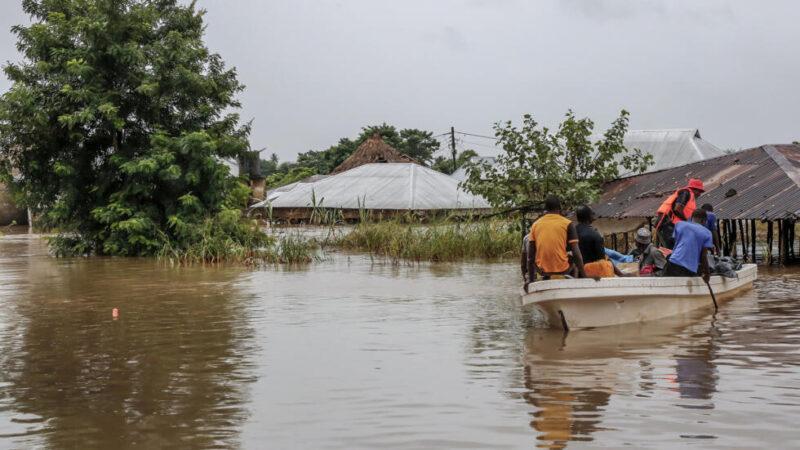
point(586, 303)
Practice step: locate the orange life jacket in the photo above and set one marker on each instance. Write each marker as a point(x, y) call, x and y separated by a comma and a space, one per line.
point(688, 209)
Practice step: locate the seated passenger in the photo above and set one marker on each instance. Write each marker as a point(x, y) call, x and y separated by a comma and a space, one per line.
point(651, 259)
point(592, 245)
point(548, 241)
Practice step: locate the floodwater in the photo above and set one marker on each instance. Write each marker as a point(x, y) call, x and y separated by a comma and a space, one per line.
point(351, 353)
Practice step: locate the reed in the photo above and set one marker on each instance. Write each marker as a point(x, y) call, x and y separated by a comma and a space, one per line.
point(242, 244)
point(444, 241)
point(294, 249)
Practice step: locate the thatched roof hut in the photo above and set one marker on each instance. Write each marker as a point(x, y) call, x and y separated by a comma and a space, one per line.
point(373, 150)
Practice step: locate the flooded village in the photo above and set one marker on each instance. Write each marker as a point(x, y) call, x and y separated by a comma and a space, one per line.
point(166, 282)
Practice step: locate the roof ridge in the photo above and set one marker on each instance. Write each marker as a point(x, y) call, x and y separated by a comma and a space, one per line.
point(783, 163)
point(661, 130)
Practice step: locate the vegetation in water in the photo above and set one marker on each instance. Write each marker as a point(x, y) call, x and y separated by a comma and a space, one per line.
point(537, 162)
point(267, 249)
point(118, 120)
point(445, 241)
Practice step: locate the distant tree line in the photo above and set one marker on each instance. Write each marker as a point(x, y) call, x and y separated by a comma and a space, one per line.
point(418, 144)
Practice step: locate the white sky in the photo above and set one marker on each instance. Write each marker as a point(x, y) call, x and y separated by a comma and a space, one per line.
point(318, 70)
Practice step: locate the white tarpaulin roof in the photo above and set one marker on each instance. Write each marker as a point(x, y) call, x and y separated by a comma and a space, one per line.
point(669, 147)
point(398, 186)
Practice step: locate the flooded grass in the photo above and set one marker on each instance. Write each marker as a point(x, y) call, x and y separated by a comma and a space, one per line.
point(433, 242)
point(286, 249)
point(294, 249)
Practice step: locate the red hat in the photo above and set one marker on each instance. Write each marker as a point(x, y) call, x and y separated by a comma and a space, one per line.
point(695, 183)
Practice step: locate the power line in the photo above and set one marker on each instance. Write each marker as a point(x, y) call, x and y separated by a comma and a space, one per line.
point(478, 135)
point(478, 144)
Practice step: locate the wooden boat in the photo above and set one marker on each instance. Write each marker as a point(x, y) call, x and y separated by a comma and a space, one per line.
point(586, 303)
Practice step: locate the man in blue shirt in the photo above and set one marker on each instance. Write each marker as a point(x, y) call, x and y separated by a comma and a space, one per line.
point(692, 243)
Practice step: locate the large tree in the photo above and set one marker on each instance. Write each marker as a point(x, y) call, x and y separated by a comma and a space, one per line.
point(537, 162)
point(117, 122)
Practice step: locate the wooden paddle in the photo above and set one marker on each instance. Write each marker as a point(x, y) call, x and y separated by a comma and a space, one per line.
point(713, 297)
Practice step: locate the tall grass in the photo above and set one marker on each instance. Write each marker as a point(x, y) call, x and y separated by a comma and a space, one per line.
point(294, 249)
point(445, 241)
point(243, 245)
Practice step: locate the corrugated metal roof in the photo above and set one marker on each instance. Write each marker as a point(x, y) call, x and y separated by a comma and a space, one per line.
point(385, 186)
point(759, 183)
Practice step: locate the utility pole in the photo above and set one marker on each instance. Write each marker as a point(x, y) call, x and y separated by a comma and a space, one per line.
point(453, 146)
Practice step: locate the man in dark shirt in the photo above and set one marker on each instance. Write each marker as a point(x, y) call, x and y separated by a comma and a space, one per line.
point(592, 246)
point(711, 224)
point(676, 208)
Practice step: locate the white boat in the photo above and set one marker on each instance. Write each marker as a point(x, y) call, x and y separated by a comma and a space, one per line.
point(586, 303)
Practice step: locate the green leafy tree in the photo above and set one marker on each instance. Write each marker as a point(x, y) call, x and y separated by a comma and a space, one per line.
point(444, 164)
point(417, 144)
point(293, 174)
point(117, 121)
point(270, 166)
point(537, 162)
point(323, 162)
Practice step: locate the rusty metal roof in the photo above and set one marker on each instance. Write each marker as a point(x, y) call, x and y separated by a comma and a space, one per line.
point(759, 183)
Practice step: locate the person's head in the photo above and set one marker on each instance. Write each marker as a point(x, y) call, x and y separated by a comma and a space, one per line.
point(700, 216)
point(552, 204)
point(643, 238)
point(584, 214)
point(707, 207)
point(696, 185)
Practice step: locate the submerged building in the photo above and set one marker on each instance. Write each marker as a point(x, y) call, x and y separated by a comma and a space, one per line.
point(755, 194)
point(375, 178)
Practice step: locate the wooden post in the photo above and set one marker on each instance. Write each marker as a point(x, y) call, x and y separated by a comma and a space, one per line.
point(744, 240)
point(724, 228)
point(781, 253)
point(614, 240)
point(627, 249)
point(769, 242)
point(453, 146)
point(650, 223)
point(753, 237)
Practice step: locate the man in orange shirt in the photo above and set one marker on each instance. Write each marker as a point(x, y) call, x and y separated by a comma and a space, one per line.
point(548, 241)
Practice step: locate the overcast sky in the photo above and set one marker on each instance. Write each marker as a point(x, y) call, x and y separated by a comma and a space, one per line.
point(318, 70)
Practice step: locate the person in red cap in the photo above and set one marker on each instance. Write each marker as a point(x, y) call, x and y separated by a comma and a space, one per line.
point(677, 207)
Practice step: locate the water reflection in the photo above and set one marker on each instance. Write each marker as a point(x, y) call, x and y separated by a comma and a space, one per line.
point(571, 377)
point(172, 371)
point(356, 353)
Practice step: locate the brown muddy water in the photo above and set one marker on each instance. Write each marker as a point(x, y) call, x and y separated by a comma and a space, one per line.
point(349, 353)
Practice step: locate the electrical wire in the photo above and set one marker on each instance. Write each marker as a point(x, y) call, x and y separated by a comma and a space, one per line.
point(478, 135)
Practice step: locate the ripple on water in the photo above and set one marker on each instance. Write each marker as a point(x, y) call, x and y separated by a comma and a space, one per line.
point(355, 354)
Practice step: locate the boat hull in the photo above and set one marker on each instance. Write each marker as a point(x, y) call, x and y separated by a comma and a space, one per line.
point(586, 303)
